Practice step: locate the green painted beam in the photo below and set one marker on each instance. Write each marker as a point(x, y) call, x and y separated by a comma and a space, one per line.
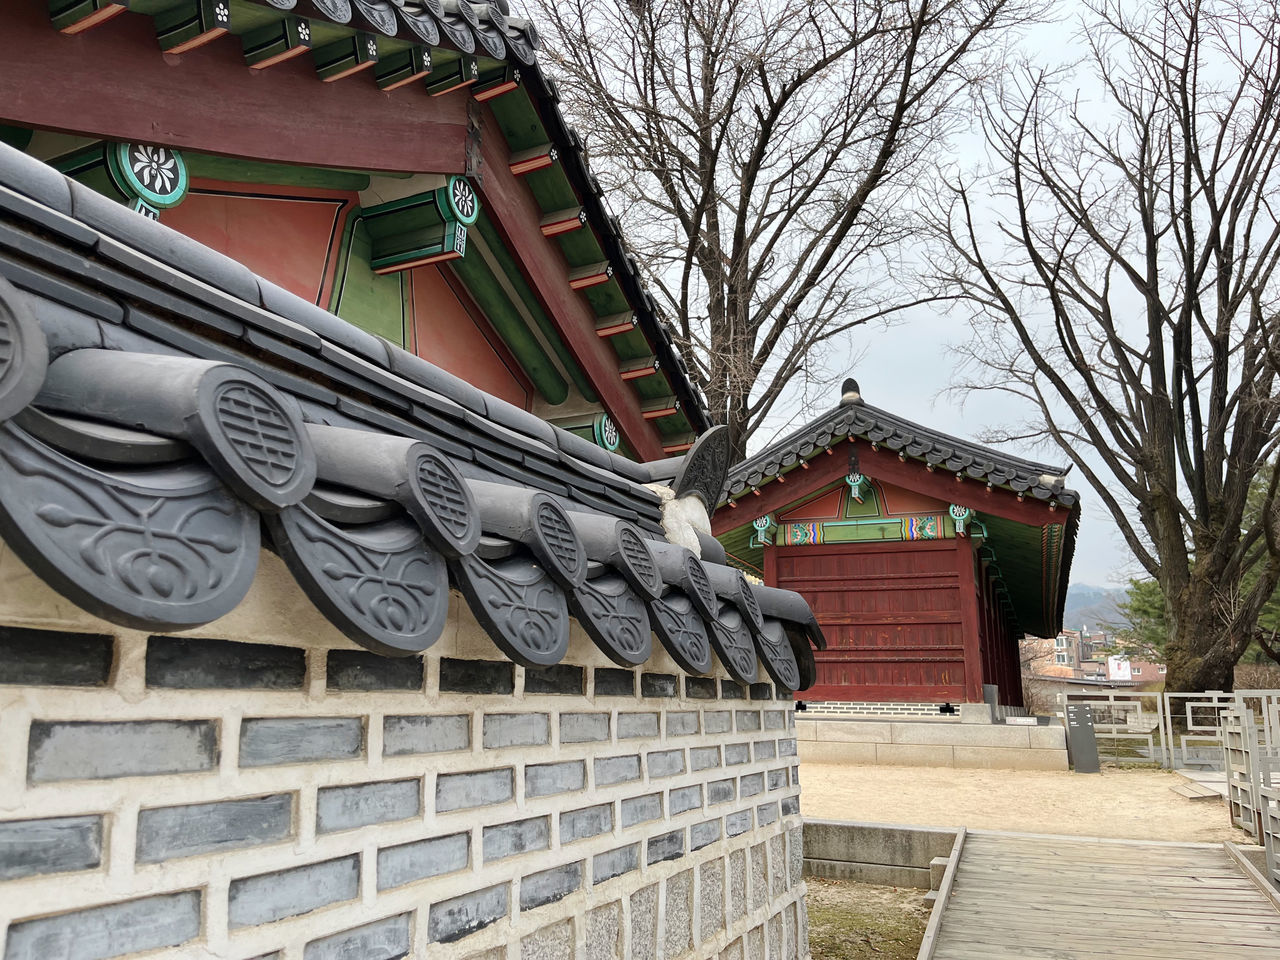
point(512, 272)
point(483, 287)
point(279, 174)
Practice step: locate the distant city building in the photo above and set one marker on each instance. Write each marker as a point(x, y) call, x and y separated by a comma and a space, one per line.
point(1084, 656)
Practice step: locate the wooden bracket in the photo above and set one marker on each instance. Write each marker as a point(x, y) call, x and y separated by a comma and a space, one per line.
point(535, 158)
point(563, 221)
point(276, 42)
point(615, 324)
point(402, 68)
point(591, 275)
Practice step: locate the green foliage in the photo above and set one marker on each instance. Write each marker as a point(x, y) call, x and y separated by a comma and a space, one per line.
point(1143, 607)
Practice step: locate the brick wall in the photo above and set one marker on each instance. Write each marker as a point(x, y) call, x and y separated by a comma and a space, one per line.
point(260, 787)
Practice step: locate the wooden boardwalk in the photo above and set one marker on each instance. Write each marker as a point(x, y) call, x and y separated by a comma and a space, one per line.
point(1019, 897)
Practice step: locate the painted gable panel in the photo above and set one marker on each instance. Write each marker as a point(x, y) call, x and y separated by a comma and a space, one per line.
point(445, 333)
point(287, 239)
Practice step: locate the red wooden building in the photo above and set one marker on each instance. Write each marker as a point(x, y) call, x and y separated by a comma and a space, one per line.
point(926, 558)
point(404, 166)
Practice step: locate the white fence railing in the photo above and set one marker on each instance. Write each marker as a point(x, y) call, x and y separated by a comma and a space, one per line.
point(1175, 730)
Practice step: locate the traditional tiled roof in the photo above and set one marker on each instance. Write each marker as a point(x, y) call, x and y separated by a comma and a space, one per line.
point(855, 418)
point(164, 412)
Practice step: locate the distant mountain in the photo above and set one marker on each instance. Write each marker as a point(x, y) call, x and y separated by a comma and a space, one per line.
point(1094, 607)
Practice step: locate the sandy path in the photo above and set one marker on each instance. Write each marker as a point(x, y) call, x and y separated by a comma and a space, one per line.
point(1135, 804)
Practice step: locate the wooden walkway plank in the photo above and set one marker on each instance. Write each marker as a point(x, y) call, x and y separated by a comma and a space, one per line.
point(1037, 897)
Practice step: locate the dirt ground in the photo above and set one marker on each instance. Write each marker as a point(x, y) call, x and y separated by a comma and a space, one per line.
point(1127, 803)
point(859, 921)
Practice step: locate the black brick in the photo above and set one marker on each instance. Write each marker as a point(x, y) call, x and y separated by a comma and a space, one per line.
point(703, 758)
point(362, 670)
point(453, 919)
point(289, 893)
point(611, 770)
point(408, 735)
point(736, 753)
point(583, 727)
point(477, 676)
point(748, 720)
point(721, 791)
point(666, 846)
point(717, 721)
point(635, 725)
point(547, 779)
point(516, 730)
point(53, 845)
point(737, 823)
point(386, 939)
point(658, 685)
point(50, 658)
point(274, 740)
point(512, 839)
point(761, 691)
point(641, 809)
point(361, 804)
point(665, 763)
point(702, 834)
point(790, 806)
point(764, 749)
point(731, 690)
point(751, 784)
point(777, 779)
point(83, 750)
point(461, 791)
point(108, 931)
point(766, 814)
point(191, 829)
point(684, 798)
point(539, 889)
point(614, 863)
point(408, 862)
point(612, 682)
point(586, 822)
point(700, 688)
point(562, 679)
point(682, 724)
point(188, 663)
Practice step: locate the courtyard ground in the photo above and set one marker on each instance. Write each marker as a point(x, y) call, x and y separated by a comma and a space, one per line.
point(1129, 803)
point(861, 921)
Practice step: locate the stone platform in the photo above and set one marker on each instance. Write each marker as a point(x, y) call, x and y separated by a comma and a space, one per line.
point(932, 743)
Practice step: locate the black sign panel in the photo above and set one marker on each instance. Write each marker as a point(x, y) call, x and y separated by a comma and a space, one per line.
point(1082, 742)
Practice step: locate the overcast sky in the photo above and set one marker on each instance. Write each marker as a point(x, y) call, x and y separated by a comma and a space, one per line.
point(909, 367)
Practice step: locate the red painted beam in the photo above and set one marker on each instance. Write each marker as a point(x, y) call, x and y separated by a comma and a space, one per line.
point(884, 465)
point(114, 82)
point(970, 621)
point(515, 213)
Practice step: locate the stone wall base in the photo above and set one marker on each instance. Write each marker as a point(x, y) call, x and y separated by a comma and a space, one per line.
point(926, 743)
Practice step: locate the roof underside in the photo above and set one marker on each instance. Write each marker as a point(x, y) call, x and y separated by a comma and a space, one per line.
point(494, 57)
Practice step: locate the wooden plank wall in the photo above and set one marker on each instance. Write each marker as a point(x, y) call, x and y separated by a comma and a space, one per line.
point(894, 616)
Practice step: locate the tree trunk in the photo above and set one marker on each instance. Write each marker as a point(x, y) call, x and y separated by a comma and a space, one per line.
point(1199, 654)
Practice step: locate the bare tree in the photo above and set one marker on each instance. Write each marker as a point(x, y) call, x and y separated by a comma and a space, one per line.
point(763, 156)
point(1122, 265)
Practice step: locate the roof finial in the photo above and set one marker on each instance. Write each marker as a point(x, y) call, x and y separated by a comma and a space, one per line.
point(850, 393)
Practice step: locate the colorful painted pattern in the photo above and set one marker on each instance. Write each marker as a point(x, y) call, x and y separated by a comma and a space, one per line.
point(802, 533)
point(924, 528)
